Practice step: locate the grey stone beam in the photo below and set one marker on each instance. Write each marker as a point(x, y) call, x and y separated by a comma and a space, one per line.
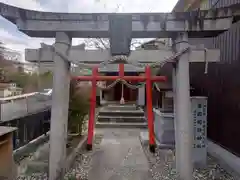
point(115, 68)
point(104, 69)
point(137, 56)
point(144, 25)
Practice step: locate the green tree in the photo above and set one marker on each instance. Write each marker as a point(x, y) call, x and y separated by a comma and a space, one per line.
point(2, 75)
point(20, 69)
point(20, 78)
point(46, 80)
point(28, 82)
point(78, 106)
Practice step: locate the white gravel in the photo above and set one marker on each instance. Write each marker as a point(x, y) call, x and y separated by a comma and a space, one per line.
point(162, 167)
point(83, 163)
point(39, 176)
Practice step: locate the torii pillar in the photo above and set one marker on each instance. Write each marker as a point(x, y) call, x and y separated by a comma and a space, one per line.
point(59, 115)
point(184, 125)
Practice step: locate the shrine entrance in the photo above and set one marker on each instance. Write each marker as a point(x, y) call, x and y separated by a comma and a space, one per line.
point(128, 94)
point(121, 29)
point(121, 90)
point(148, 78)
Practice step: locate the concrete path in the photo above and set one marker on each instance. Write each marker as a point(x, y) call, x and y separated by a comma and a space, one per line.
point(119, 156)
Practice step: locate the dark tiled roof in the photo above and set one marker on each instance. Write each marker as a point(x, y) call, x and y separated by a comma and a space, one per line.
point(4, 85)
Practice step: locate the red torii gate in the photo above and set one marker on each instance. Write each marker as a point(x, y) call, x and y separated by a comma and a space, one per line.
point(148, 78)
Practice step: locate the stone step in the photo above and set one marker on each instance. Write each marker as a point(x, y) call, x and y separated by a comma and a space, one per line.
point(121, 107)
point(121, 118)
point(121, 113)
point(141, 125)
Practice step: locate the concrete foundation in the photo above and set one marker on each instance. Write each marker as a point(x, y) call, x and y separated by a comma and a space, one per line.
point(164, 127)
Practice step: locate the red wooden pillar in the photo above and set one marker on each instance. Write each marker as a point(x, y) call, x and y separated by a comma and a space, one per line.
point(150, 110)
point(92, 109)
point(121, 70)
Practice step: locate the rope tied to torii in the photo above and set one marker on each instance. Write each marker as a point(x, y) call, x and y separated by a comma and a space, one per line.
point(131, 86)
point(154, 65)
point(117, 58)
point(124, 58)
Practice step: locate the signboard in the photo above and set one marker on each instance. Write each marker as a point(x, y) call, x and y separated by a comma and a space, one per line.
point(199, 115)
point(120, 34)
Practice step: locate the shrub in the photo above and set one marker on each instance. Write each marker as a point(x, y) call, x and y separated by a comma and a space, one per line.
point(79, 101)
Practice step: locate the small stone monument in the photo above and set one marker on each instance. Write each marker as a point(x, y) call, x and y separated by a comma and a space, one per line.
point(199, 116)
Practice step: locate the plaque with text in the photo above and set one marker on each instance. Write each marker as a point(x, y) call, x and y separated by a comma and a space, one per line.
point(199, 116)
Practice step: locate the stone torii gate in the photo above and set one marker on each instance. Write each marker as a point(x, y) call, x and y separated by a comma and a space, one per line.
point(64, 26)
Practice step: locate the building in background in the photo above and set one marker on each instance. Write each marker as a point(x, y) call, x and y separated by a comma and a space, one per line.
point(30, 68)
point(9, 89)
point(4, 90)
point(8, 65)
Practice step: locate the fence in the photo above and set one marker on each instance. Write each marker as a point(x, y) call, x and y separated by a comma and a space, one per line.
point(29, 127)
point(30, 113)
point(23, 96)
point(222, 88)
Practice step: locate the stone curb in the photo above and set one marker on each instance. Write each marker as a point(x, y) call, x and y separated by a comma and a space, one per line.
point(26, 149)
point(226, 159)
point(121, 125)
point(72, 156)
point(145, 141)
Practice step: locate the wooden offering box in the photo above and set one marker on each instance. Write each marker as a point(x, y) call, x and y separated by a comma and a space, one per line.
point(7, 165)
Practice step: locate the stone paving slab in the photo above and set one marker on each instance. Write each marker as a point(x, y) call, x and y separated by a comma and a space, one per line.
point(118, 156)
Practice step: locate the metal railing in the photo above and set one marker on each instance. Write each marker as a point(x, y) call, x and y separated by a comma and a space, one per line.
point(22, 96)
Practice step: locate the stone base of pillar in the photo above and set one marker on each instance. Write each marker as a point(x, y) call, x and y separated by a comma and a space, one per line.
point(89, 147)
point(152, 148)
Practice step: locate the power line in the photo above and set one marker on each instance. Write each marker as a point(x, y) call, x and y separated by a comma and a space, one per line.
point(214, 5)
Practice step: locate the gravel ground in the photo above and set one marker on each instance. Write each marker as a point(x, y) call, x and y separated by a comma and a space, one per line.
point(82, 157)
point(162, 167)
point(39, 176)
point(83, 163)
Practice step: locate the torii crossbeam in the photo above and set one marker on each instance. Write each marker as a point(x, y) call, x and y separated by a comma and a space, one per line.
point(141, 25)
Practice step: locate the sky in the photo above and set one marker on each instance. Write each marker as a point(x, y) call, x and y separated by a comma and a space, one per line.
point(18, 41)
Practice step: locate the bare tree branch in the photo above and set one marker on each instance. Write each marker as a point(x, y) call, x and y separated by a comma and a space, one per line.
point(103, 43)
point(98, 43)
